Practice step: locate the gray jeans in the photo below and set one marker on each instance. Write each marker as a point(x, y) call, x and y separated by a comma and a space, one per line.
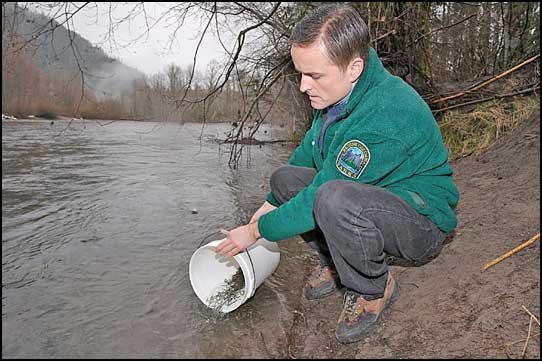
point(357, 226)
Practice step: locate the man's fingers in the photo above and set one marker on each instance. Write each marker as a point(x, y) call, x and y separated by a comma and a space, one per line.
point(233, 252)
point(222, 245)
point(229, 251)
point(225, 247)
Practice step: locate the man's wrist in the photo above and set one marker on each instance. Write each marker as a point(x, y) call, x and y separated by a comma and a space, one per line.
point(255, 231)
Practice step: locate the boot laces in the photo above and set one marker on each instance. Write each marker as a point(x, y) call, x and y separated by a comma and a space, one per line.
point(320, 272)
point(350, 302)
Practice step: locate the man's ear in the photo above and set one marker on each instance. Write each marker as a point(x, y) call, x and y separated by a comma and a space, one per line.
point(355, 69)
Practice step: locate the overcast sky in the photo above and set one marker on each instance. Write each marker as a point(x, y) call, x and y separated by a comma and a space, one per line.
point(150, 54)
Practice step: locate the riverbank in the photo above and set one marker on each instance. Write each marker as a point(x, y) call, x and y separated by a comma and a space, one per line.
point(448, 308)
point(34, 118)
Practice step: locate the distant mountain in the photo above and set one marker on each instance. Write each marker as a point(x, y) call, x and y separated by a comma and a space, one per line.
point(53, 50)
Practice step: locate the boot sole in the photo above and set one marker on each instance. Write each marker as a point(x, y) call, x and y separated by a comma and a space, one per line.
point(312, 295)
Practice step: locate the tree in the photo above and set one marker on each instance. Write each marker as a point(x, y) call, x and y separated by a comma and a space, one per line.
point(426, 44)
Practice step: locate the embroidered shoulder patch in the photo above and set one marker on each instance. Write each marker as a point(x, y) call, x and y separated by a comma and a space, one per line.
point(353, 158)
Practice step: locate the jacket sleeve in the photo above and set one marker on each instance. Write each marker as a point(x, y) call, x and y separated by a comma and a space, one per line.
point(296, 216)
point(270, 198)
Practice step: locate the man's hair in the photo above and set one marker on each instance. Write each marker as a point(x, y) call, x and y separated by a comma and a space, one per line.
point(339, 29)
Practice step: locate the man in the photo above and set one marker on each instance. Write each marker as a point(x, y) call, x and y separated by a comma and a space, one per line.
point(371, 177)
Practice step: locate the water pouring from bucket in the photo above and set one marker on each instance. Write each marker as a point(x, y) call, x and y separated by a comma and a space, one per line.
point(224, 284)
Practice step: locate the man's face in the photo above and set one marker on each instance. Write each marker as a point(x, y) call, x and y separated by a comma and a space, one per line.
point(323, 81)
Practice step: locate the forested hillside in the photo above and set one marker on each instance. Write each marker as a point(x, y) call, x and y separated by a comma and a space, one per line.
point(44, 60)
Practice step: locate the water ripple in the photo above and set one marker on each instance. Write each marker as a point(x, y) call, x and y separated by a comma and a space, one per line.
point(98, 229)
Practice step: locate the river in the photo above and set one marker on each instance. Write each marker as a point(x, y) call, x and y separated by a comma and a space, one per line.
point(99, 221)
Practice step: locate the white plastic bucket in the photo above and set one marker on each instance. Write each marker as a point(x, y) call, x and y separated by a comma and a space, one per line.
point(208, 270)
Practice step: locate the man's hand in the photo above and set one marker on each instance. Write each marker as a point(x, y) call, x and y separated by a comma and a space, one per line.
point(238, 240)
point(264, 209)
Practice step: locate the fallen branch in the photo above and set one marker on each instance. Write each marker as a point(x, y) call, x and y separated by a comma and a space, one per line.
point(518, 341)
point(253, 141)
point(528, 337)
point(508, 254)
point(532, 317)
point(526, 340)
point(460, 94)
point(530, 314)
point(521, 92)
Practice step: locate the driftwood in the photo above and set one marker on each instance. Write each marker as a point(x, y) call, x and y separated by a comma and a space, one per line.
point(487, 82)
point(498, 96)
point(253, 141)
point(508, 254)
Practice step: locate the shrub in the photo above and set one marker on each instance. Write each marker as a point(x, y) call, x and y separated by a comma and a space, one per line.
point(469, 133)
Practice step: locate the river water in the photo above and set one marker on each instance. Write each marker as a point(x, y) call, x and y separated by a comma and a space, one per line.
point(99, 221)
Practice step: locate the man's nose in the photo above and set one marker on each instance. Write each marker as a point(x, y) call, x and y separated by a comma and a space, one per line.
point(304, 84)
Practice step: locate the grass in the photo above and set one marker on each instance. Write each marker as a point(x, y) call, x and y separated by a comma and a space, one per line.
point(470, 133)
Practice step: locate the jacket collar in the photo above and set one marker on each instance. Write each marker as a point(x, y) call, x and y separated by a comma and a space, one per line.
point(365, 81)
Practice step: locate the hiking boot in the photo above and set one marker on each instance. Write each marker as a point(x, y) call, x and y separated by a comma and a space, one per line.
point(359, 315)
point(323, 282)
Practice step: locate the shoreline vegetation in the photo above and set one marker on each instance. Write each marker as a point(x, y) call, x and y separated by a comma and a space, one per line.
point(465, 132)
point(244, 140)
point(458, 57)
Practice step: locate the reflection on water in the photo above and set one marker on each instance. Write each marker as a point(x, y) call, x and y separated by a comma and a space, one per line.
point(98, 230)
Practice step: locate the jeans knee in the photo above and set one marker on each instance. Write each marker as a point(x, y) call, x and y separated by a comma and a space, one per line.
point(278, 180)
point(339, 199)
point(328, 199)
point(289, 180)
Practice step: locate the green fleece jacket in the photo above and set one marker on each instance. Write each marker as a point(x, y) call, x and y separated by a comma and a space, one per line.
point(386, 137)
